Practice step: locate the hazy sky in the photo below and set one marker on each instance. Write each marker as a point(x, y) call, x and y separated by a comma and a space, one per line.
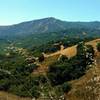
point(16, 11)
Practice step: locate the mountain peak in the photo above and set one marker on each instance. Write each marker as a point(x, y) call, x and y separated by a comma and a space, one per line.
point(51, 18)
point(47, 19)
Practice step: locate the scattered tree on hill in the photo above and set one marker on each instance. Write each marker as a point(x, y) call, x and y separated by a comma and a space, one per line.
point(66, 87)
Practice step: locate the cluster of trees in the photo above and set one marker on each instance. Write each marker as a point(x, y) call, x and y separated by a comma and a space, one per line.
point(66, 69)
point(15, 77)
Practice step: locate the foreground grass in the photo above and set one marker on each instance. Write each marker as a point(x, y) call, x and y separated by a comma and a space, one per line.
point(8, 96)
point(88, 86)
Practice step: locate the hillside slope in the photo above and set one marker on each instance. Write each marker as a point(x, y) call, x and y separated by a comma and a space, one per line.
point(88, 86)
point(81, 88)
point(69, 52)
point(8, 96)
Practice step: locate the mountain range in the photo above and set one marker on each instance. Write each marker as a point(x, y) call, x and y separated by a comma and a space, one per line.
point(46, 25)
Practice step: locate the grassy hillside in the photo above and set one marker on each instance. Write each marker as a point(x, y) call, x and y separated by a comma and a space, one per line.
point(8, 96)
point(87, 87)
point(32, 78)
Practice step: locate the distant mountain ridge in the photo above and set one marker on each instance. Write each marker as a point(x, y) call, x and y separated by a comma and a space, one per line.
point(45, 25)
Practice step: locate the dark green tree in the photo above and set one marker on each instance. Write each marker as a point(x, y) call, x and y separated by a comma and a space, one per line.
point(98, 46)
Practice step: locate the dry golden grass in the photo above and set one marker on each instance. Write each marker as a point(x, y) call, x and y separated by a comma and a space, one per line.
point(88, 86)
point(72, 51)
point(43, 67)
point(48, 61)
point(69, 52)
point(8, 96)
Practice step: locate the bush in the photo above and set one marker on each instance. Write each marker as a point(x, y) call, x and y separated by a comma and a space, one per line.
point(98, 46)
point(63, 58)
point(20, 90)
point(66, 87)
point(4, 84)
point(41, 58)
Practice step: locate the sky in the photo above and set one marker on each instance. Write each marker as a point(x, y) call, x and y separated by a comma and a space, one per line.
point(16, 11)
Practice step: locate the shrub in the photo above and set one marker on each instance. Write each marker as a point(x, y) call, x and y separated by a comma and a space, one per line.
point(66, 87)
point(63, 58)
point(98, 46)
point(4, 84)
point(41, 58)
